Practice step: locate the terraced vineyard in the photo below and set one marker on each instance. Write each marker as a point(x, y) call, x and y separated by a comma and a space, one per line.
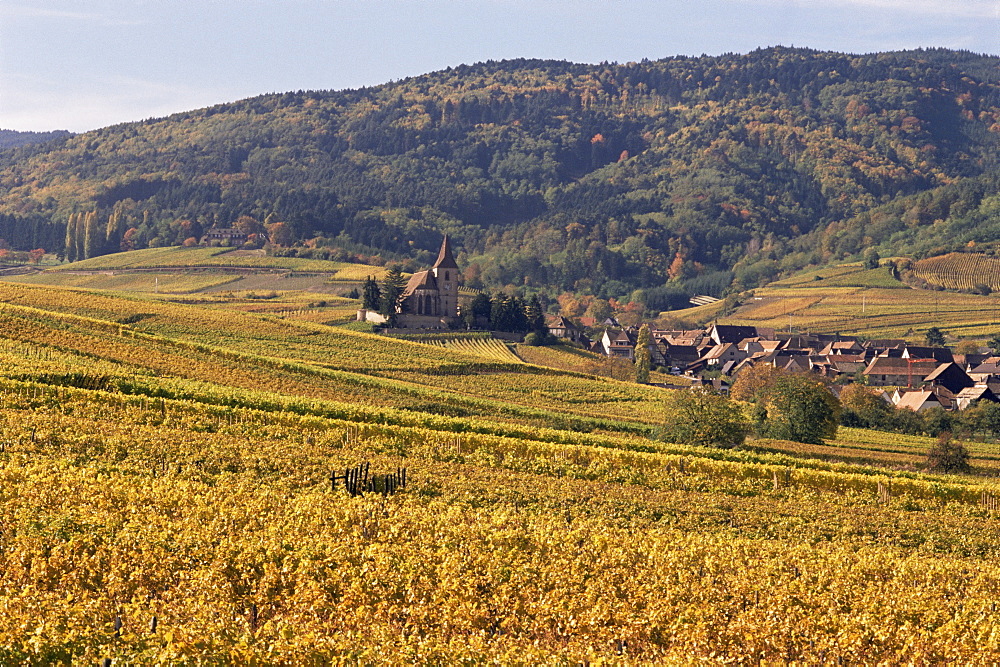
point(853, 301)
point(165, 473)
point(486, 348)
point(960, 270)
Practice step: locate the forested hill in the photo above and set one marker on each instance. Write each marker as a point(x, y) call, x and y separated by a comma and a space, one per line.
point(675, 176)
point(11, 138)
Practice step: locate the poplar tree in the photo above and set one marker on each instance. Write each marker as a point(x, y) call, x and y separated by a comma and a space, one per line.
point(642, 361)
point(92, 239)
point(70, 245)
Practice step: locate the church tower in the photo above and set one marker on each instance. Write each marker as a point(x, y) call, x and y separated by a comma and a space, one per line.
point(445, 272)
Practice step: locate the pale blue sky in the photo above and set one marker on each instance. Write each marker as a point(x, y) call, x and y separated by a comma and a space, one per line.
point(80, 65)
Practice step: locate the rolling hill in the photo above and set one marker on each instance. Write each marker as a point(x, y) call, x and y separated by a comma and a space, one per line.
point(648, 181)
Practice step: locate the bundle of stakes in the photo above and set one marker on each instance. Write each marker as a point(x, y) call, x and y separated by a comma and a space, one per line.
point(358, 482)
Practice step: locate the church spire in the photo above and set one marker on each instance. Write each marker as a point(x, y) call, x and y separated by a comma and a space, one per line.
point(445, 259)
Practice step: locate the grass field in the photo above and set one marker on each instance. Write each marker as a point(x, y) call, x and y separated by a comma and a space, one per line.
point(165, 473)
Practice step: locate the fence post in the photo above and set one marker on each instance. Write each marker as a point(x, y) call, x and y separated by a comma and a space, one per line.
point(884, 492)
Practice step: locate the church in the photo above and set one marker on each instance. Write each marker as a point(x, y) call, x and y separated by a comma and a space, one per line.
point(430, 298)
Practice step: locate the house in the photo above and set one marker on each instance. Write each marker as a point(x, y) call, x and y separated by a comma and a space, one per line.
point(224, 236)
point(972, 395)
point(843, 347)
point(846, 364)
point(727, 333)
point(751, 345)
point(720, 354)
point(989, 367)
point(917, 400)
point(800, 342)
point(562, 327)
point(970, 361)
point(942, 354)
point(679, 356)
point(885, 343)
point(951, 377)
point(794, 364)
point(619, 344)
point(898, 372)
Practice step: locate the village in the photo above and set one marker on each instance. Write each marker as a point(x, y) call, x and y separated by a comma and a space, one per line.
point(913, 377)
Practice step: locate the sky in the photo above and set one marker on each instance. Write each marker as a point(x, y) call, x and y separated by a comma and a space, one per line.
point(83, 64)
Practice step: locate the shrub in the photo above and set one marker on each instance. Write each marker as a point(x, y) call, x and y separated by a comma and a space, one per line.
point(948, 455)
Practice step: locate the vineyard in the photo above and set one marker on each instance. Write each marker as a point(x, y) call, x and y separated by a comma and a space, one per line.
point(486, 348)
point(169, 474)
point(162, 283)
point(174, 257)
point(871, 312)
point(958, 270)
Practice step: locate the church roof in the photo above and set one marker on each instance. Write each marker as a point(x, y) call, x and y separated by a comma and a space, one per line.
point(445, 259)
point(420, 280)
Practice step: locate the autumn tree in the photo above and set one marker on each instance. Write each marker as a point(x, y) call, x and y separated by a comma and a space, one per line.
point(93, 238)
point(800, 408)
point(752, 382)
point(864, 407)
point(700, 416)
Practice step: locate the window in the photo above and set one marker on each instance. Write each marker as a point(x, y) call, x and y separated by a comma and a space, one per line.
point(446, 276)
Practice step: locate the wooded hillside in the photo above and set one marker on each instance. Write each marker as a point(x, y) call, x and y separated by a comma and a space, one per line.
point(673, 177)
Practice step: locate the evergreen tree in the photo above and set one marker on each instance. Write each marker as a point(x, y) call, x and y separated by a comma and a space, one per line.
point(935, 337)
point(642, 361)
point(480, 308)
point(535, 315)
point(994, 343)
point(392, 295)
point(870, 259)
point(500, 313)
point(371, 295)
point(518, 316)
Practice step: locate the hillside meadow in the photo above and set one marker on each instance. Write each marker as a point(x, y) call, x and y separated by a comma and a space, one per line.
point(165, 469)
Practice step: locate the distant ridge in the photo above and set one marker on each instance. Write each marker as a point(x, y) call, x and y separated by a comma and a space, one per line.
point(15, 138)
